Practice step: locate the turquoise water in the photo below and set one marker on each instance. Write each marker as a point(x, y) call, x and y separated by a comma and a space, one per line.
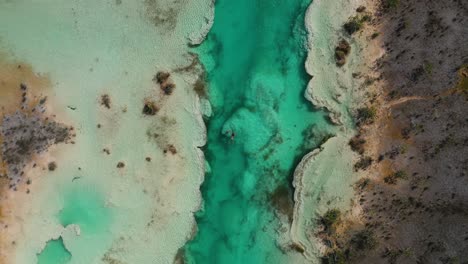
point(54, 252)
point(84, 207)
point(260, 128)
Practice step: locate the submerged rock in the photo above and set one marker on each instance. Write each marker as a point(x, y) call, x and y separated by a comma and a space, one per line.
point(171, 149)
point(105, 101)
point(341, 52)
point(168, 88)
point(150, 108)
point(161, 77)
point(165, 83)
point(120, 165)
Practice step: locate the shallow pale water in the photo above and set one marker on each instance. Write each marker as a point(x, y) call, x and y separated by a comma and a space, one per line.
point(55, 252)
point(261, 127)
point(142, 213)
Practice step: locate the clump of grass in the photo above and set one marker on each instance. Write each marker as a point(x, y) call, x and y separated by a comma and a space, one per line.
point(392, 4)
point(366, 115)
point(353, 25)
point(150, 108)
point(341, 52)
point(462, 84)
point(363, 241)
point(363, 183)
point(330, 218)
point(357, 144)
point(363, 163)
point(335, 257)
point(161, 77)
point(394, 177)
point(106, 101)
point(428, 67)
point(375, 35)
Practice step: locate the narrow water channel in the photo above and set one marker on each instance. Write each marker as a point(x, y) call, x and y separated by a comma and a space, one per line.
point(261, 126)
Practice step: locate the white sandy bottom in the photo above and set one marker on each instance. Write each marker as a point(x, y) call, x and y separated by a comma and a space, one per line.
point(89, 49)
point(324, 178)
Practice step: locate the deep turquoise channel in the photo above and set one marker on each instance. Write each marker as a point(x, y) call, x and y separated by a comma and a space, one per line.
point(260, 128)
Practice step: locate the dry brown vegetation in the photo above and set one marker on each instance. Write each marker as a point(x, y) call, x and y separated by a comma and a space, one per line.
point(413, 196)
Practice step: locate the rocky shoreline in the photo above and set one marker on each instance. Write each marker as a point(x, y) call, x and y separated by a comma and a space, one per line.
point(410, 139)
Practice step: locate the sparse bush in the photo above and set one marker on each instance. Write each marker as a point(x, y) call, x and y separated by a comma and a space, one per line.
point(462, 84)
point(150, 108)
point(366, 18)
point(353, 25)
point(341, 52)
point(335, 257)
point(394, 177)
point(363, 240)
point(428, 67)
point(363, 183)
point(391, 3)
point(331, 217)
point(363, 163)
point(366, 115)
point(357, 144)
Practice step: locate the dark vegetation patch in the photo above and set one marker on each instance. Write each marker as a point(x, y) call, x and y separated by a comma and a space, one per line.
point(170, 149)
point(161, 77)
point(200, 88)
point(106, 101)
point(462, 84)
point(330, 218)
point(164, 16)
point(357, 144)
point(363, 241)
point(363, 163)
point(52, 166)
point(150, 108)
point(395, 176)
point(341, 52)
point(168, 88)
point(366, 115)
point(281, 200)
point(164, 81)
point(120, 165)
point(26, 133)
point(353, 25)
point(390, 4)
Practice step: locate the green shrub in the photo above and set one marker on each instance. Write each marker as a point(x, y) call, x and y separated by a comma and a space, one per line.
point(392, 3)
point(394, 177)
point(336, 257)
point(363, 240)
point(363, 183)
point(366, 115)
point(331, 217)
point(363, 163)
point(428, 67)
point(353, 25)
point(357, 144)
point(462, 84)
